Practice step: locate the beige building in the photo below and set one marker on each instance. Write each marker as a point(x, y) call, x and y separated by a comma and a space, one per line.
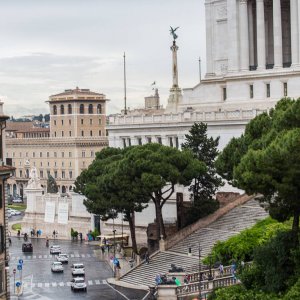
point(77, 131)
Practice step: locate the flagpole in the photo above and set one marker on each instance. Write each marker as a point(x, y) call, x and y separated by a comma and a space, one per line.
point(125, 108)
point(200, 68)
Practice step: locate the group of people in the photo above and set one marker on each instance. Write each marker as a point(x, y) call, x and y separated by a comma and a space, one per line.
point(37, 233)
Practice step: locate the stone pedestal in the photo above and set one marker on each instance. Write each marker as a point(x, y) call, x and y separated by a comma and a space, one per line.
point(166, 292)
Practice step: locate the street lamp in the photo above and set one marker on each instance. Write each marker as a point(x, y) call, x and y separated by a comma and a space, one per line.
point(114, 231)
point(200, 276)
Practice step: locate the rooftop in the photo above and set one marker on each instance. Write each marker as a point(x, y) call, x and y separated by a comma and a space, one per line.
point(81, 94)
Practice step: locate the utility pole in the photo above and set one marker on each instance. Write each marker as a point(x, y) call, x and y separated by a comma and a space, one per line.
point(125, 105)
point(200, 68)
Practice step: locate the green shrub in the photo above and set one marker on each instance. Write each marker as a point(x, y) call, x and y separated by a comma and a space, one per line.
point(294, 292)
point(74, 233)
point(95, 233)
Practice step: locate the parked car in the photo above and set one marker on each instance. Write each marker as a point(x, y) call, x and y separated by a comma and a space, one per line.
point(27, 247)
point(78, 283)
point(12, 212)
point(57, 266)
point(63, 258)
point(55, 249)
point(17, 200)
point(9, 214)
point(78, 270)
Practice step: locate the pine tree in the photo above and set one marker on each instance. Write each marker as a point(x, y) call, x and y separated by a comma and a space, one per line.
point(52, 187)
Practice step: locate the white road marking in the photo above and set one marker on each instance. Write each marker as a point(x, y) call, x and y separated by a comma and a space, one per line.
point(47, 284)
point(40, 256)
point(88, 255)
point(97, 281)
point(33, 285)
point(61, 284)
point(104, 281)
point(82, 255)
point(45, 256)
point(34, 256)
point(68, 283)
point(54, 284)
point(90, 282)
point(72, 255)
point(77, 255)
point(40, 285)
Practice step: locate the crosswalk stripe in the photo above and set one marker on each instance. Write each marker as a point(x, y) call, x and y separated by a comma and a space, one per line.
point(47, 284)
point(61, 284)
point(72, 255)
point(40, 256)
point(82, 255)
point(77, 255)
point(90, 282)
point(25, 284)
point(34, 256)
point(45, 256)
point(88, 255)
point(54, 284)
point(40, 285)
point(33, 285)
point(97, 281)
point(68, 283)
point(104, 281)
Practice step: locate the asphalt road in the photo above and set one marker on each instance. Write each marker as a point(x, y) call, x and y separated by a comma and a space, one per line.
point(40, 283)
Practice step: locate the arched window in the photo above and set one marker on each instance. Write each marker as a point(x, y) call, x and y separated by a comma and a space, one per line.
point(54, 110)
point(91, 109)
point(81, 109)
point(62, 110)
point(99, 109)
point(69, 109)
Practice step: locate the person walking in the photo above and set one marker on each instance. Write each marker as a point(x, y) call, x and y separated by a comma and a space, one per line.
point(147, 258)
point(221, 270)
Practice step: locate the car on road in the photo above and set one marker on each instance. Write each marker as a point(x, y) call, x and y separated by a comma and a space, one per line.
point(9, 214)
point(27, 247)
point(78, 270)
point(57, 266)
point(63, 258)
point(78, 283)
point(17, 200)
point(55, 249)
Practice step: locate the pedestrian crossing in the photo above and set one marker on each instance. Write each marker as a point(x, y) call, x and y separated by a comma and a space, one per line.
point(60, 284)
point(30, 257)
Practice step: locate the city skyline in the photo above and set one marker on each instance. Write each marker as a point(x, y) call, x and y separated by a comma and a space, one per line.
point(52, 46)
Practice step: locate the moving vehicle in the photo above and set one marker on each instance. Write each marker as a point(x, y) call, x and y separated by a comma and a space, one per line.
point(17, 200)
point(78, 270)
point(55, 249)
point(27, 247)
point(57, 266)
point(63, 258)
point(78, 283)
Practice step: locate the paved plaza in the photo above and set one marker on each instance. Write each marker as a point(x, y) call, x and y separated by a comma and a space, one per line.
point(40, 283)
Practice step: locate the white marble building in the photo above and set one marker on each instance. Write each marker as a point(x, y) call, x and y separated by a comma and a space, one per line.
point(253, 60)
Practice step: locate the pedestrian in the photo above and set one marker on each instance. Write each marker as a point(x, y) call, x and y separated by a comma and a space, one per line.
point(104, 241)
point(158, 279)
point(147, 258)
point(221, 269)
point(102, 249)
point(53, 234)
point(186, 281)
point(177, 281)
point(37, 233)
point(9, 241)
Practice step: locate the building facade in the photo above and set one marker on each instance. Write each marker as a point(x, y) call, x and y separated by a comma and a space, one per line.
point(77, 131)
point(253, 60)
point(5, 172)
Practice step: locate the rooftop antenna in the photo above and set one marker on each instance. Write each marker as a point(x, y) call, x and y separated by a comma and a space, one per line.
point(125, 105)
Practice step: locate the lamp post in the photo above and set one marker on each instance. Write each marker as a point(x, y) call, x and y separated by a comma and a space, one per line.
point(114, 231)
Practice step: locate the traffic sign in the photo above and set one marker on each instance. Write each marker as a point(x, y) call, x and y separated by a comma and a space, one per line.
point(14, 271)
point(20, 261)
point(18, 284)
point(19, 267)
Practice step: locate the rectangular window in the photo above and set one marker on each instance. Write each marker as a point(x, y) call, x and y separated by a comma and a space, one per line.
point(54, 122)
point(63, 154)
point(21, 173)
point(41, 154)
point(2, 246)
point(268, 90)
point(62, 122)
point(1, 196)
point(159, 140)
point(124, 143)
point(70, 133)
point(48, 154)
point(81, 121)
point(55, 133)
point(70, 174)
point(55, 174)
point(149, 140)
point(70, 164)
point(26, 154)
point(129, 142)
point(62, 163)
point(70, 154)
point(48, 163)
point(99, 132)
point(92, 154)
point(33, 154)
point(285, 89)
point(91, 121)
point(55, 164)
point(55, 154)
point(91, 133)
point(224, 93)
point(251, 91)
point(69, 122)
point(62, 133)
point(41, 174)
point(139, 140)
point(41, 164)
point(82, 133)
point(176, 142)
point(100, 122)
point(170, 141)
point(63, 175)
point(83, 154)
point(48, 173)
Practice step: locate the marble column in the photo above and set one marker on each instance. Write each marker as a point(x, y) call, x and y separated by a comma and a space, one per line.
point(251, 33)
point(295, 7)
point(209, 39)
point(233, 37)
point(261, 35)
point(298, 21)
point(277, 33)
point(244, 35)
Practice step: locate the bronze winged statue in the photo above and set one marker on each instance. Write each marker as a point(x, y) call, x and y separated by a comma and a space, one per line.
point(172, 32)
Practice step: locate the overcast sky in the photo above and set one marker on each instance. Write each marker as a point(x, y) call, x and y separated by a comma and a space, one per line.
point(52, 45)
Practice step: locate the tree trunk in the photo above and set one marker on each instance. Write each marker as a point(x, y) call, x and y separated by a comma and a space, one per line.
point(157, 216)
point(162, 225)
point(295, 227)
point(131, 221)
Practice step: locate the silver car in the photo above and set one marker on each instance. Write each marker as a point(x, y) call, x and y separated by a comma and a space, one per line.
point(78, 283)
point(63, 258)
point(78, 270)
point(55, 249)
point(57, 267)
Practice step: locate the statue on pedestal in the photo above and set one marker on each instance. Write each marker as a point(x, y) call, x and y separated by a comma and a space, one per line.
point(34, 181)
point(52, 187)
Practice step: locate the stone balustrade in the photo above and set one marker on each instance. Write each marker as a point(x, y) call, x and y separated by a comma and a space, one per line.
point(188, 116)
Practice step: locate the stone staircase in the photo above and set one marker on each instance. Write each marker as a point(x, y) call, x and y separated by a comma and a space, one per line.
point(231, 223)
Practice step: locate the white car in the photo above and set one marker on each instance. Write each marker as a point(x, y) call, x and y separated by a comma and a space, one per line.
point(17, 200)
point(63, 258)
point(57, 266)
point(12, 211)
point(55, 249)
point(78, 270)
point(78, 283)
